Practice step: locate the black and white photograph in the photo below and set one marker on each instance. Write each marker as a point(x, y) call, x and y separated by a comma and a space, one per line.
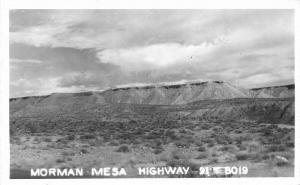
point(151, 93)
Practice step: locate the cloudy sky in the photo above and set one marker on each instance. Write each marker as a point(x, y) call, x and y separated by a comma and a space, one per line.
point(81, 50)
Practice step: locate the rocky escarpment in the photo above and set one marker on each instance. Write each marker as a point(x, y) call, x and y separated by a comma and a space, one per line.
point(208, 101)
point(85, 116)
point(158, 95)
point(285, 91)
point(175, 94)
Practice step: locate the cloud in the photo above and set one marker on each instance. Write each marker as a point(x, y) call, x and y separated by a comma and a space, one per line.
point(29, 87)
point(80, 79)
point(27, 61)
point(154, 56)
point(37, 87)
point(55, 62)
point(129, 28)
point(96, 49)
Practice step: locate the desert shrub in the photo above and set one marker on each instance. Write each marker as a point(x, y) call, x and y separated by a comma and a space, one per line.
point(210, 144)
point(84, 151)
point(179, 154)
point(242, 156)
point(182, 144)
point(72, 154)
point(114, 143)
point(47, 140)
point(248, 156)
point(174, 163)
point(32, 128)
point(60, 161)
point(136, 142)
point(193, 166)
point(242, 147)
point(15, 138)
point(214, 160)
point(182, 131)
point(176, 155)
point(290, 144)
point(64, 153)
point(206, 126)
point(254, 146)
point(239, 140)
point(61, 142)
point(151, 135)
point(127, 136)
point(17, 141)
point(70, 137)
point(217, 129)
point(123, 148)
point(12, 131)
point(238, 131)
point(281, 163)
point(201, 149)
point(276, 148)
point(86, 146)
point(227, 148)
point(138, 132)
point(171, 134)
point(267, 131)
point(158, 150)
point(88, 136)
point(94, 143)
point(189, 139)
point(265, 156)
point(221, 140)
point(158, 142)
point(132, 122)
point(123, 141)
point(202, 156)
point(36, 139)
point(198, 143)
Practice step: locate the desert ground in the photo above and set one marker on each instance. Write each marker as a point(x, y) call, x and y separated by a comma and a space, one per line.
point(175, 143)
point(86, 130)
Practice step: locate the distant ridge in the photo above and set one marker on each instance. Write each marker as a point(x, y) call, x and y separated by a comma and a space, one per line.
point(179, 93)
point(284, 91)
point(289, 86)
point(209, 101)
point(165, 94)
point(167, 86)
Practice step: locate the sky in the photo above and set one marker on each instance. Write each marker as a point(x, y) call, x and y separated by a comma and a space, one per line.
point(89, 50)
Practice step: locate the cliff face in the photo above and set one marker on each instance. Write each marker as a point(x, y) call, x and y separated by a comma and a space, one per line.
point(209, 101)
point(268, 110)
point(157, 95)
point(81, 117)
point(275, 91)
point(175, 94)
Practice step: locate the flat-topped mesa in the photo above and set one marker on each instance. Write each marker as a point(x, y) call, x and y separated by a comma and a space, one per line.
point(289, 87)
point(185, 94)
point(175, 93)
point(166, 85)
point(162, 94)
point(285, 91)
